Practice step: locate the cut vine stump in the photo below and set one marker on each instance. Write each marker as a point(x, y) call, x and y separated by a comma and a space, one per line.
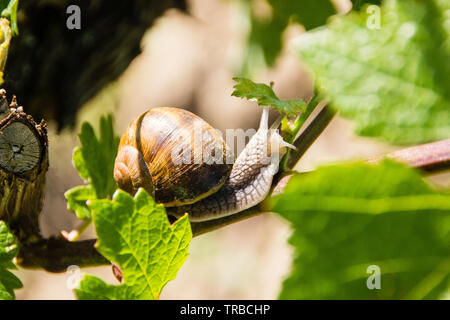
point(23, 166)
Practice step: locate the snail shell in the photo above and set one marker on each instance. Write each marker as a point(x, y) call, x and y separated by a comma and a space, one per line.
point(164, 151)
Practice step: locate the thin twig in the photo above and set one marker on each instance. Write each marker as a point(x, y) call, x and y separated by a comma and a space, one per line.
point(298, 124)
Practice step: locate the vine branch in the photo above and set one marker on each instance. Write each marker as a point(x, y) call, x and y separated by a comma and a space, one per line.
point(55, 254)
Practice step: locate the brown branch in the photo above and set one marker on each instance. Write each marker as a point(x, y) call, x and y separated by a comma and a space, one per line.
point(56, 255)
point(310, 134)
point(431, 157)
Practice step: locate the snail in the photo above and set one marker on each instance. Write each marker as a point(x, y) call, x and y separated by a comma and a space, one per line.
point(158, 152)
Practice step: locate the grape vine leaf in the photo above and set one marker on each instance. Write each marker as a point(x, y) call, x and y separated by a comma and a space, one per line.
point(349, 217)
point(394, 80)
point(94, 161)
point(136, 235)
point(265, 96)
point(8, 250)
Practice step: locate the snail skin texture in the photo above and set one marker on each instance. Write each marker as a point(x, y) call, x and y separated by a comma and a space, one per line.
point(150, 156)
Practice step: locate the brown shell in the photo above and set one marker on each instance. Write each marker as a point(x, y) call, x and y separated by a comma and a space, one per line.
point(174, 144)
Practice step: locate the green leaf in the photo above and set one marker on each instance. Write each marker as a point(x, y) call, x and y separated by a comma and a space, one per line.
point(8, 9)
point(349, 217)
point(77, 198)
point(98, 156)
point(265, 96)
point(136, 235)
point(8, 250)
point(5, 294)
point(395, 80)
point(9, 282)
point(8, 247)
point(94, 161)
point(78, 162)
point(267, 29)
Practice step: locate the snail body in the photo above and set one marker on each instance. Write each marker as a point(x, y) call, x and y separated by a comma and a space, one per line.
point(158, 152)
